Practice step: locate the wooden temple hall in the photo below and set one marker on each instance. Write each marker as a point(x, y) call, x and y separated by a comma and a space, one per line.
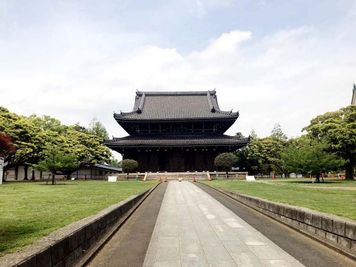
point(175, 131)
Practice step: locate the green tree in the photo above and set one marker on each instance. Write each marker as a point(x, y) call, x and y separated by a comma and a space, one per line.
point(225, 161)
point(32, 135)
point(88, 147)
point(338, 130)
point(97, 128)
point(129, 165)
point(114, 162)
point(277, 133)
point(265, 153)
point(25, 135)
point(309, 156)
point(58, 162)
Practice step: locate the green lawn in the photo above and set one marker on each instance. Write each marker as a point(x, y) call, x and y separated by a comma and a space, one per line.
point(32, 210)
point(335, 197)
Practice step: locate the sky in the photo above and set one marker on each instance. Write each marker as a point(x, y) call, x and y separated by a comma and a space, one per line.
point(274, 61)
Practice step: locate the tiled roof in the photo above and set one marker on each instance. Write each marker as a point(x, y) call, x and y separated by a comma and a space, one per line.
point(175, 105)
point(108, 167)
point(176, 141)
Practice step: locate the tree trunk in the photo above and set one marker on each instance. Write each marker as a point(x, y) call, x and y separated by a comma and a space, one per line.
point(227, 175)
point(53, 177)
point(349, 168)
point(16, 172)
point(317, 178)
point(25, 172)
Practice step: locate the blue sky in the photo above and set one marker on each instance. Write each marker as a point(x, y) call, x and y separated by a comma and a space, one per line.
point(274, 61)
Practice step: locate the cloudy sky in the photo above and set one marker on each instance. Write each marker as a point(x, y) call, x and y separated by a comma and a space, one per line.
point(275, 61)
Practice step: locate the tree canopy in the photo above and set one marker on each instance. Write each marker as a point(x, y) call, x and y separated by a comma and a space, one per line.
point(129, 165)
point(6, 145)
point(58, 161)
point(97, 128)
point(33, 135)
point(338, 131)
point(309, 156)
point(264, 154)
point(225, 161)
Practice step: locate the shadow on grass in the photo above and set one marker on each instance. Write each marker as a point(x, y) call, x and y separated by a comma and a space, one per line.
point(313, 182)
point(63, 183)
point(11, 236)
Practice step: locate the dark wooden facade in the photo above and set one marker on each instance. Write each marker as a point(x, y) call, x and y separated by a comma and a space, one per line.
point(175, 131)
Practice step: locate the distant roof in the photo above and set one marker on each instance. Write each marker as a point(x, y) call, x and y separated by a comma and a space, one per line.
point(108, 167)
point(178, 140)
point(175, 105)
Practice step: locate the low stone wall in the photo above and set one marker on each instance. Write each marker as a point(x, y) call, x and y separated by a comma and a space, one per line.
point(334, 231)
point(66, 246)
point(183, 175)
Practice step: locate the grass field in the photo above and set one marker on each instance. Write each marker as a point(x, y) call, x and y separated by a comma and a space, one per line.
point(333, 196)
point(30, 210)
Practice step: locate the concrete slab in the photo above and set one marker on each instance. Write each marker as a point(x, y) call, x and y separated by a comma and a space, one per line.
point(194, 229)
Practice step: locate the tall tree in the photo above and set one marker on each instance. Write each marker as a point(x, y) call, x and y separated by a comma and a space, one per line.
point(338, 130)
point(25, 135)
point(310, 156)
point(266, 152)
point(87, 146)
point(98, 129)
point(277, 133)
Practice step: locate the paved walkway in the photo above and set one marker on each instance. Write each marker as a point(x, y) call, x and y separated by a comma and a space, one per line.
point(128, 245)
point(193, 229)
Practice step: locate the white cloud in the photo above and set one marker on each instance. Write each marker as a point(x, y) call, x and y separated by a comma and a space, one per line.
point(287, 77)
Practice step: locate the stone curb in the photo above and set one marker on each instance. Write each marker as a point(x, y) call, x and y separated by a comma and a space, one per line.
point(68, 245)
point(336, 232)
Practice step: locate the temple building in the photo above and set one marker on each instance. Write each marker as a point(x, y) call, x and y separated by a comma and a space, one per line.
point(176, 131)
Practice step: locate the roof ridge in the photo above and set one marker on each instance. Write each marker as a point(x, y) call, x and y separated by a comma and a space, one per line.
point(162, 93)
point(211, 105)
point(227, 112)
point(142, 102)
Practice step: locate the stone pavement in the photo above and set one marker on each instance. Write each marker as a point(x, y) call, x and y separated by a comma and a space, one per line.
point(194, 229)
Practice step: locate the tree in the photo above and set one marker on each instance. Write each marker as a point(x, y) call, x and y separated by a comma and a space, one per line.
point(116, 163)
point(32, 135)
point(266, 152)
point(225, 161)
point(25, 135)
point(58, 162)
point(309, 156)
point(129, 165)
point(97, 128)
point(277, 133)
point(338, 130)
point(245, 162)
point(6, 145)
point(86, 146)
